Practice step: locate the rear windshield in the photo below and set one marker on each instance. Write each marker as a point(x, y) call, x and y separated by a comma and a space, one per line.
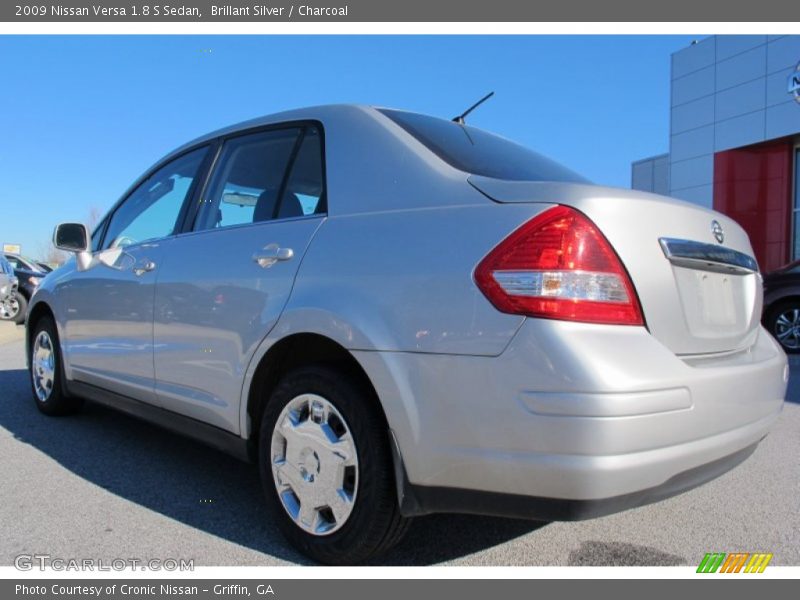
point(480, 152)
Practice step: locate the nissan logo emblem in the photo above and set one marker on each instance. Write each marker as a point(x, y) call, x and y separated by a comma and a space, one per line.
point(794, 83)
point(716, 229)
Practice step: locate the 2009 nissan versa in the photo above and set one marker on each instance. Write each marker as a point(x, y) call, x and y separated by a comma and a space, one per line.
point(395, 314)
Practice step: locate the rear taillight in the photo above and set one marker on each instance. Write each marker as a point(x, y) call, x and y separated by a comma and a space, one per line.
point(559, 266)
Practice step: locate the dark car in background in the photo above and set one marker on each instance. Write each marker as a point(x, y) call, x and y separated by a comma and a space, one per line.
point(8, 282)
point(782, 305)
point(30, 275)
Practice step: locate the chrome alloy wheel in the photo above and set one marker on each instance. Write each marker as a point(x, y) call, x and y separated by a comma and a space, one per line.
point(43, 366)
point(314, 464)
point(787, 328)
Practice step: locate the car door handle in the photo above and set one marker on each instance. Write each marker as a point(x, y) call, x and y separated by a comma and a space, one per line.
point(144, 267)
point(272, 254)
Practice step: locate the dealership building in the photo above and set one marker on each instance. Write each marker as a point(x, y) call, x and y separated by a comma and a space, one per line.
point(734, 140)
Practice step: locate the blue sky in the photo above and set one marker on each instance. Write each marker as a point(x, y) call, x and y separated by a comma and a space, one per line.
point(82, 116)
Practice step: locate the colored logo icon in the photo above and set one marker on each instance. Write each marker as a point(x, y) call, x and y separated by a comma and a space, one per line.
point(737, 562)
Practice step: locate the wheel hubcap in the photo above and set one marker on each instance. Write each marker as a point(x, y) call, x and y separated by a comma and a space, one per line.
point(9, 308)
point(314, 464)
point(787, 328)
point(43, 366)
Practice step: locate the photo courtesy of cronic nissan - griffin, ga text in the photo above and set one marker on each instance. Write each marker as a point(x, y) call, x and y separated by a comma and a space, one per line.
point(394, 315)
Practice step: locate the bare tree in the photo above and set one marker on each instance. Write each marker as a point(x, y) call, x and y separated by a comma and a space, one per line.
point(94, 217)
point(51, 255)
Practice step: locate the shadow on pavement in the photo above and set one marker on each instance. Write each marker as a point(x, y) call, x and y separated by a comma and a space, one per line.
point(439, 538)
point(621, 554)
point(178, 477)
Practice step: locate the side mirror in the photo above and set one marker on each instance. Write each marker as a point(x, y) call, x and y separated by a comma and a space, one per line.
point(71, 237)
point(74, 237)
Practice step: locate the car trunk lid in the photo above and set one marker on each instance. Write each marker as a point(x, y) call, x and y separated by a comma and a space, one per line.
point(699, 296)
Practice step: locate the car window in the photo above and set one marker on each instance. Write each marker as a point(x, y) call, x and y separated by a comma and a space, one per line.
point(13, 262)
point(247, 180)
point(151, 210)
point(479, 152)
point(305, 187)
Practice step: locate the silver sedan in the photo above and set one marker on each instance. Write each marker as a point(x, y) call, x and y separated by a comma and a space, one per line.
point(394, 314)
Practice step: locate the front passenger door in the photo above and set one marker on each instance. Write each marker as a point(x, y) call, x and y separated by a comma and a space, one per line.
point(109, 324)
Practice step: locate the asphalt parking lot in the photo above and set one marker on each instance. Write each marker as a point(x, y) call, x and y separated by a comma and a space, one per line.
point(102, 485)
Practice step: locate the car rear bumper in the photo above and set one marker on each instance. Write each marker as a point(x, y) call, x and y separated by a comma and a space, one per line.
point(422, 500)
point(573, 420)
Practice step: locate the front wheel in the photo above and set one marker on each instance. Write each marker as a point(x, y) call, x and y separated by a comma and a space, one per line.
point(47, 374)
point(326, 467)
point(13, 308)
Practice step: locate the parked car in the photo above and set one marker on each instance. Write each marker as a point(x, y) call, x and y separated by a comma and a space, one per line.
point(8, 283)
point(782, 305)
point(395, 315)
point(30, 276)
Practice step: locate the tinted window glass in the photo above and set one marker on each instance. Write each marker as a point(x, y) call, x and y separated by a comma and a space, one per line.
point(151, 211)
point(305, 187)
point(246, 183)
point(479, 152)
point(13, 262)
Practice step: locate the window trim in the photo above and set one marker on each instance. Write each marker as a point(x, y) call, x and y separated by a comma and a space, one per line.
point(188, 226)
point(101, 229)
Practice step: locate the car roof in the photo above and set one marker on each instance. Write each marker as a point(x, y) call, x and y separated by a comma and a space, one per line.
point(24, 259)
point(19, 257)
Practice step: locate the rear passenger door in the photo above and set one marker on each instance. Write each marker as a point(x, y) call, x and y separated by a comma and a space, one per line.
point(228, 279)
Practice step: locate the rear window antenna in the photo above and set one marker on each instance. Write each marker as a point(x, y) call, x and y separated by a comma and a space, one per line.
point(460, 119)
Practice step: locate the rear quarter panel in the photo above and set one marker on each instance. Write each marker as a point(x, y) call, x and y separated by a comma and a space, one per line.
point(402, 281)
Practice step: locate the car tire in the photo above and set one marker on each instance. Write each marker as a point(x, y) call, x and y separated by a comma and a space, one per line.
point(47, 372)
point(305, 402)
point(14, 309)
point(783, 322)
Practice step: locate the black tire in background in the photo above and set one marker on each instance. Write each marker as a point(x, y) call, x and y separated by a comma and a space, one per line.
point(375, 523)
point(56, 402)
point(783, 322)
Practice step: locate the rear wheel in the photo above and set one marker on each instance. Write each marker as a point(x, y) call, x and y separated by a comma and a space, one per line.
point(783, 322)
point(47, 373)
point(13, 308)
point(326, 469)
